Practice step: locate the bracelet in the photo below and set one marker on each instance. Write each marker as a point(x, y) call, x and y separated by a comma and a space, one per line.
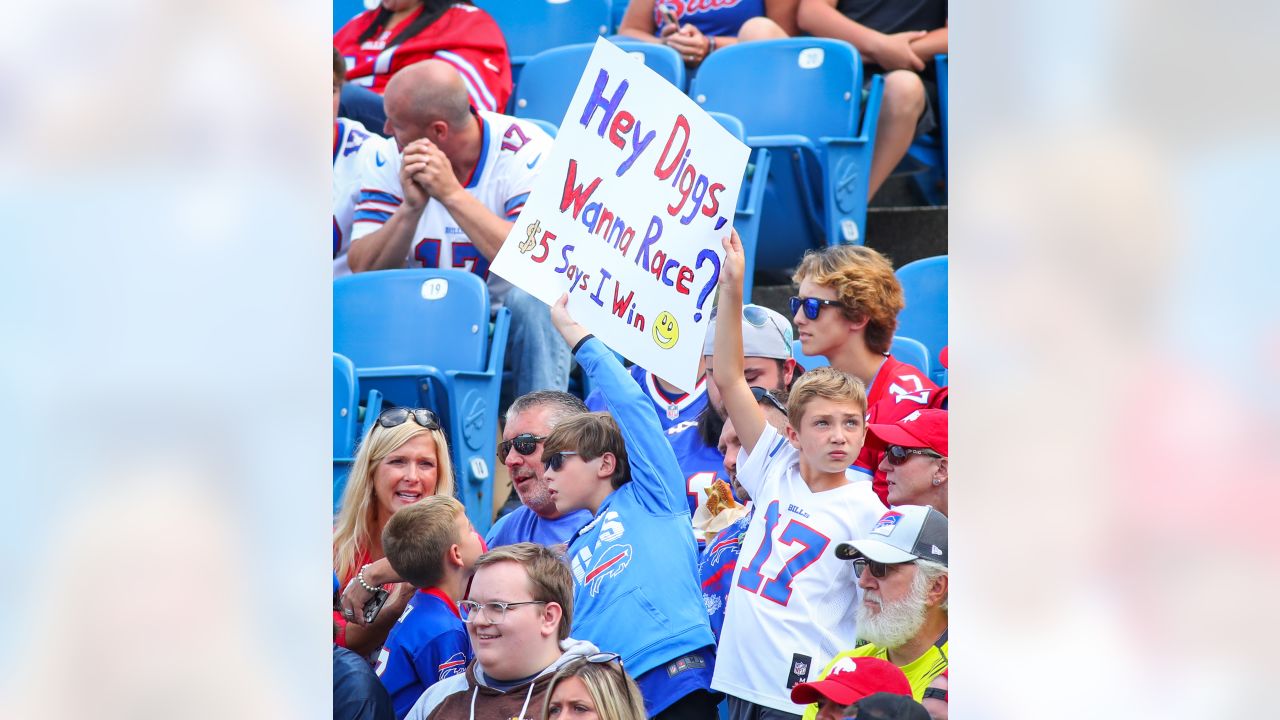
point(363, 584)
point(712, 45)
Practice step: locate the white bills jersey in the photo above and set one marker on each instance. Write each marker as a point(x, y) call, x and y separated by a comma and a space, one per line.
point(510, 157)
point(792, 603)
point(350, 141)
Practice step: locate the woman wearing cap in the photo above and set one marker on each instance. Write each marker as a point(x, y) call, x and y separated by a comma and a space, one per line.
point(915, 458)
point(402, 460)
point(594, 687)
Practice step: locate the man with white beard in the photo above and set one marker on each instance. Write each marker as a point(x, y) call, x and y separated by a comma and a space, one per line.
point(902, 570)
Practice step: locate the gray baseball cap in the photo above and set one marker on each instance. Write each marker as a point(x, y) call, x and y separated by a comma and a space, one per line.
point(903, 534)
point(765, 333)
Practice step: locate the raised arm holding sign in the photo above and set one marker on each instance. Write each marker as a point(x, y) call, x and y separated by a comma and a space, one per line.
point(628, 214)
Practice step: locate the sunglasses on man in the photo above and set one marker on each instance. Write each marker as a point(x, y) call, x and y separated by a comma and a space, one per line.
point(524, 443)
point(812, 306)
point(878, 569)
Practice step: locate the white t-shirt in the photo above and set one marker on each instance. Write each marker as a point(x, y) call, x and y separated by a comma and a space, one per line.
point(351, 143)
point(792, 604)
point(509, 157)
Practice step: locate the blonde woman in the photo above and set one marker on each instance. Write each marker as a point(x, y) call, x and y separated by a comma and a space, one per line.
point(594, 687)
point(404, 459)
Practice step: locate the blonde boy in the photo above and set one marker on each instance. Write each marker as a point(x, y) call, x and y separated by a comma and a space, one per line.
point(433, 547)
point(789, 609)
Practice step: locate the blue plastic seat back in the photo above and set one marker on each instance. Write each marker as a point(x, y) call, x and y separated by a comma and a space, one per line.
point(924, 286)
point(549, 78)
point(344, 11)
point(531, 26)
point(797, 86)
point(394, 318)
point(345, 405)
point(911, 352)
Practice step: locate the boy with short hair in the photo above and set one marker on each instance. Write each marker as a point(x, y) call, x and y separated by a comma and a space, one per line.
point(433, 547)
point(789, 609)
point(634, 565)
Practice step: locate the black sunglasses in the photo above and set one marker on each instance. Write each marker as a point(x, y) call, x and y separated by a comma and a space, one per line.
point(812, 306)
point(524, 443)
point(556, 461)
point(898, 454)
point(878, 569)
point(760, 393)
point(399, 416)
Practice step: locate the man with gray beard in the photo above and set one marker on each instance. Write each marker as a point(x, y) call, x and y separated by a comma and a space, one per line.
point(902, 570)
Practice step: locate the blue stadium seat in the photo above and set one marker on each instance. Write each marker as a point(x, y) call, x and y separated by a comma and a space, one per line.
point(342, 464)
point(532, 26)
point(422, 338)
point(344, 10)
point(346, 398)
point(814, 116)
point(904, 349)
point(924, 286)
point(746, 218)
point(549, 78)
point(927, 155)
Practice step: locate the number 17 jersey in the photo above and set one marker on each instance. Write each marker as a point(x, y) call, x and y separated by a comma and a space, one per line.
point(792, 603)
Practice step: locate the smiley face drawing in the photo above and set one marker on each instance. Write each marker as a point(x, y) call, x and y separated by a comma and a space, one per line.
point(665, 330)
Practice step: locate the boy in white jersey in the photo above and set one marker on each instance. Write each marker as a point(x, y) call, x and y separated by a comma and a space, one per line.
point(352, 144)
point(448, 200)
point(789, 608)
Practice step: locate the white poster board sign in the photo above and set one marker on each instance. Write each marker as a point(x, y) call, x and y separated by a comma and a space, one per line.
point(628, 214)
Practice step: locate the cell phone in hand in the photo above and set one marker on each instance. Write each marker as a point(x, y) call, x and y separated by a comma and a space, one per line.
point(375, 604)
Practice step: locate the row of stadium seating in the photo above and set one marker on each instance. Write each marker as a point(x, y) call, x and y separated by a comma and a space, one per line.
point(389, 328)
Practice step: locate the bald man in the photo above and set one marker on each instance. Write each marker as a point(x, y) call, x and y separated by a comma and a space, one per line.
point(448, 200)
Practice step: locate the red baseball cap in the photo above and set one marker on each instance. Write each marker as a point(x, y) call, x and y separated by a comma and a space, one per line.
point(920, 429)
point(851, 679)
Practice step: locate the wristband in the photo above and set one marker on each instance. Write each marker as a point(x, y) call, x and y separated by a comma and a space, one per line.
point(363, 584)
point(711, 45)
point(581, 342)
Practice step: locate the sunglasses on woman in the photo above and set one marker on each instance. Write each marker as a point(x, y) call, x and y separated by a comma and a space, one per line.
point(524, 443)
point(399, 416)
point(812, 306)
point(556, 461)
point(898, 454)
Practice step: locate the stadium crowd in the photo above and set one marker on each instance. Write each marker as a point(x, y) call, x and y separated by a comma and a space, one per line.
point(772, 545)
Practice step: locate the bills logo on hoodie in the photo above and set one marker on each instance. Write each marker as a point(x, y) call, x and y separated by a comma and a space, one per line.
point(611, 562)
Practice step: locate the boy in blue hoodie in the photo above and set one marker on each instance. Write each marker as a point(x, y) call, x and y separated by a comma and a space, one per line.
point(635, 565)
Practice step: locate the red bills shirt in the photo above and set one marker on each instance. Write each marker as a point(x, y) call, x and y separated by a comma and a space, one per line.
point(466, 37)
point(897, 390)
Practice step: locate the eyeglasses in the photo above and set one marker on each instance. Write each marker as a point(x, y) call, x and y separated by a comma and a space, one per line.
point(760, 393)
point(878, 569)
point(898, 454)
point(556, 461)
point(399, 416)
point(495, 612)
point(812, 306)
point(524, 443)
